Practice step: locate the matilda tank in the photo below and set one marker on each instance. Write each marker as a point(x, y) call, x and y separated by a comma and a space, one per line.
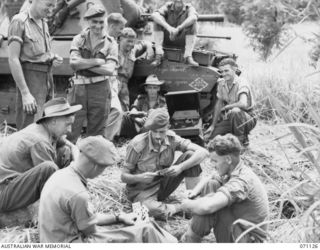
point(188, 90)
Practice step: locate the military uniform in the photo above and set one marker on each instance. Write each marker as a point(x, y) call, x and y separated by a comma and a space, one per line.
point(91, 90)
point(247, 200)
point(142, 157)
point(36, 61)
point(128, 125)
point(237, 121)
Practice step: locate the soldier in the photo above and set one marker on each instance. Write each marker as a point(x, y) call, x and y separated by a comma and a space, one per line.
point(149, 170)
point(65, 212)
point(233, 109)
point(29, 156)
point(93, 57)
point(232, 202)
point(175, 23)
point(134, 120)
point(115, 24)
point(31, 60)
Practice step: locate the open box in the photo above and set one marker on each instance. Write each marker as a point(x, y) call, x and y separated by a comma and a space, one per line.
point(184, 111)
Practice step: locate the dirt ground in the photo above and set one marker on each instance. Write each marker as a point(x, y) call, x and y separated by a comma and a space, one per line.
point(272, 155)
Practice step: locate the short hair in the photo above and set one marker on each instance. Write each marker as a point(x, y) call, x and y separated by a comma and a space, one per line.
point(116, 18)
point(228, 61)
point(128, 33)
point(225, 145)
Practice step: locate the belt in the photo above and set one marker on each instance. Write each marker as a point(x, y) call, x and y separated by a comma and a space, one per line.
point(88, 80)
point(42, 67)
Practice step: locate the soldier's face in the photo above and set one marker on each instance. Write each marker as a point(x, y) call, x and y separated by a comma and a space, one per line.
point(117, 29)
point(178, 5)
point(222, 163)
point(228, 72)
point(96, 25)
point(45, 7)
point(158, 135)
point(152, 90)
point(62, 125)
point(127, 44)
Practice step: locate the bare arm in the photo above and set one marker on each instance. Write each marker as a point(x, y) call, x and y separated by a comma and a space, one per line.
point(129, 178)
point(78, 63)
point(206, 205)
point(197, 157)
point(188, 22)
point(159, 19)
point(105, 69)
point(242, 103)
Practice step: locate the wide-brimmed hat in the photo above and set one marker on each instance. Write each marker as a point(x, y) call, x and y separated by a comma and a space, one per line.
point(95, 10)
point(153, 80)
point(58, 107)
point(99, 150)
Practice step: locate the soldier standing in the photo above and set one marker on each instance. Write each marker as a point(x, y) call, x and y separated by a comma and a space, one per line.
point(94, 57)
point(31, 60)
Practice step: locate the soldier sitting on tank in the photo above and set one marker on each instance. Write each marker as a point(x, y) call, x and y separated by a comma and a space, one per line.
point(149, 170)
point(233, 111)
point(93, 57)
point(133, 121)
point(129, 51)
point(175, 25)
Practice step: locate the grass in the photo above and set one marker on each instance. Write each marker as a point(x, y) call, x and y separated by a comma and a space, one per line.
point(284, 147)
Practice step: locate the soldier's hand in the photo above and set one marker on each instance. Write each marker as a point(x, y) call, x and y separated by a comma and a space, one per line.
point(192, 194)
point(128, 219)
point(57, 60)
point(29, 104)
point(174, 170)
point(147, 177)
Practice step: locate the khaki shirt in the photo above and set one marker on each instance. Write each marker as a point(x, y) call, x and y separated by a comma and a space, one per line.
point(24, 150)
point(142, 103)
point(34, 38)
point(172, 17)
point(230, 96)
point(81, 47)
point(142, 157)
point(127, 61)
point(246, 195)
point(64, 209)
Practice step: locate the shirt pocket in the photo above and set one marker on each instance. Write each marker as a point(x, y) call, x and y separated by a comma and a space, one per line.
point(34, 44)
point(166, 158)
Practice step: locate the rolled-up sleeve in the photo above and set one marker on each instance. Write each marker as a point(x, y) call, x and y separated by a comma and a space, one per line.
point(16, 30)
point(192, 11)
point(75, 44)
point(131, 159)
point(236, 189)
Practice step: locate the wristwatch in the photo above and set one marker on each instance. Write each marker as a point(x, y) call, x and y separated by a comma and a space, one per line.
point(117, 216)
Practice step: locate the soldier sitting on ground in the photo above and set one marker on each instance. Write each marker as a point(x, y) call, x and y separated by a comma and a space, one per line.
point(66, 214)
point(232, 202)
point(149, 170)
point(233, 111)
point(134, 120)
point(175, 24)
point(29, 156)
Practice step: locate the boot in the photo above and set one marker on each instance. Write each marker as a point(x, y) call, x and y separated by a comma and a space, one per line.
point(190, 61)
point(157, 61)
